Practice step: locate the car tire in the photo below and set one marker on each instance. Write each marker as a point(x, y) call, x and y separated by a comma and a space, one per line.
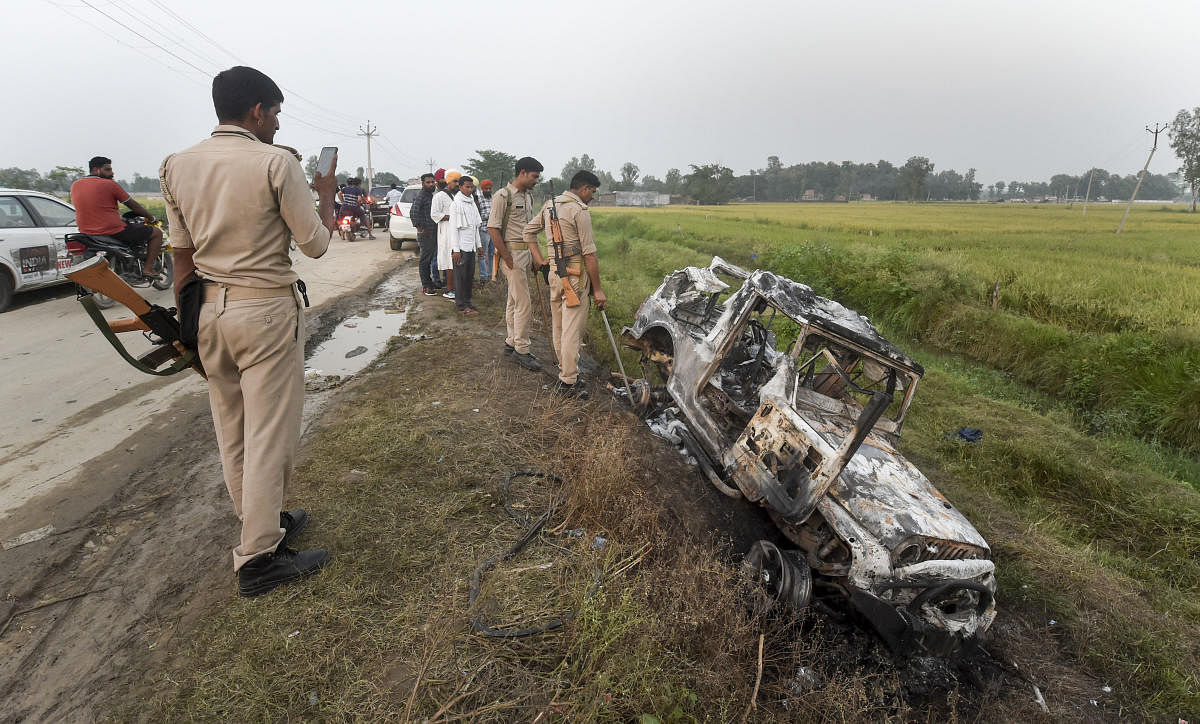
point(7, 288)
point(396, 244)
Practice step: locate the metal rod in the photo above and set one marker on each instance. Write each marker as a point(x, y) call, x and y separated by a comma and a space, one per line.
point(617, 353)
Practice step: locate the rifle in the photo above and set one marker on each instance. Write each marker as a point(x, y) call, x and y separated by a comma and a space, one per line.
point(95, 275)
point(560, 259)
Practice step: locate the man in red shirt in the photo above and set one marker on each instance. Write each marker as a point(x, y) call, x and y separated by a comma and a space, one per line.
point(95, 198)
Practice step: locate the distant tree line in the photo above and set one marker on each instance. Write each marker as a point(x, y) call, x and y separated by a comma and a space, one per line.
point(915, 180)
point(1104, 185)
point(59, 180)
point(713, 183)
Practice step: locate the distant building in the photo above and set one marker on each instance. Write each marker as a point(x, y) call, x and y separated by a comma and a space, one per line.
point(641, 198)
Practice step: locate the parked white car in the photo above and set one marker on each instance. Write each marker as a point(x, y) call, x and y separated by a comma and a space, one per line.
point(33, 248)
point(400, 226)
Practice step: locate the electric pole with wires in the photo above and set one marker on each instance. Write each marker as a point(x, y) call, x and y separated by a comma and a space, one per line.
point(369, 132)
point(1158, 128)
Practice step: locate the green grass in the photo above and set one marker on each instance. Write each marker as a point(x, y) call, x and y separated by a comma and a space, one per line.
point(1086, 481)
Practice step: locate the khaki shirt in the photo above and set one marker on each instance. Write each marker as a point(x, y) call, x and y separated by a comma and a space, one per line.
point(575, 221)
point(238, 202)
point(522, 212)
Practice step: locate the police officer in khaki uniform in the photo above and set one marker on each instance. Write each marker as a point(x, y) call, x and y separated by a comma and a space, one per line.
point(512, 208)
point(234, 201)
point(583, 275)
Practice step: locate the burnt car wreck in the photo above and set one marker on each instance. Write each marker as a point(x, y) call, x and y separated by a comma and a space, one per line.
point(791, 401)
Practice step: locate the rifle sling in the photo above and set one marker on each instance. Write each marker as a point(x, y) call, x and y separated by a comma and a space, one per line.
point(508, 202)
point(93, 311)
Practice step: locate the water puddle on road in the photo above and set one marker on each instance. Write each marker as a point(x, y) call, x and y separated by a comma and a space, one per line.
point(357, 340)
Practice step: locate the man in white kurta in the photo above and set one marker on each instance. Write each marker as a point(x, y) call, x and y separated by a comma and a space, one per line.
point(440, 212)
point(465, 221)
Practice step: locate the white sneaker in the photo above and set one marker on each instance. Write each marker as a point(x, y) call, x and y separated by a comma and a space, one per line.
point(449, 295)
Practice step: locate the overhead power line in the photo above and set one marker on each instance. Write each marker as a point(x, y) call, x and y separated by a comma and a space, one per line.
point(301, 121)
point(155, 26)
point(162, 6)
point(168, 31)
point(333, 113)
point(141, 50)
point(408, 159)
point(185, 61)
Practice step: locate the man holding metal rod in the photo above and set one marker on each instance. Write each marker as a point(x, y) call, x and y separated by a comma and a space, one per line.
point(574, 273)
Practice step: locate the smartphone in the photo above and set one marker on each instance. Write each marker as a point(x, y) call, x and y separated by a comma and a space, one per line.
point(325, 162)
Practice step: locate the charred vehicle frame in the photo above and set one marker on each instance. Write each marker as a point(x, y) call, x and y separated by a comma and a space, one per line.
point(794, 402)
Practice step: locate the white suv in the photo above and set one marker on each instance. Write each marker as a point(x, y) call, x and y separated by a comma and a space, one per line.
point(400, 225)
point(33, 248)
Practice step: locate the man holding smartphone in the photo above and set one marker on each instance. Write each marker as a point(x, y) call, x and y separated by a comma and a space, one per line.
point(234, 201)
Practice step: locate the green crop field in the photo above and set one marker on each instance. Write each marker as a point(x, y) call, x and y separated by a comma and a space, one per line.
point(1054, 263)
point(1109, 324)
point(1085, 380)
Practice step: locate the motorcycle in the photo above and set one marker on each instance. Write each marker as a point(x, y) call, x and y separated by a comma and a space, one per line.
point(351, 226)
point(126, 260)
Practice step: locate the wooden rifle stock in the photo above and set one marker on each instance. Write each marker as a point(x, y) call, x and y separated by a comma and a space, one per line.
point(128, 325)
point(96, 276)
point(560, 260)
point(99, 277)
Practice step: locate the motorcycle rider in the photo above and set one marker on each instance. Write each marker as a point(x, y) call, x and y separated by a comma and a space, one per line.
point(353, 200)
point(95, 198)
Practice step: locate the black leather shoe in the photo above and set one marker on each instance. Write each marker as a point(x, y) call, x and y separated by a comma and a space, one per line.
point(270, 570)
point(508, 350)
point(293, 523)
point(578, 390)
point(527, 361)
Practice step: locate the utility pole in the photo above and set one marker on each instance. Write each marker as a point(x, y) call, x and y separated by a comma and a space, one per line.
point(1088, 194)
point(430, 161)
point(369, 131)
point(1158, 128)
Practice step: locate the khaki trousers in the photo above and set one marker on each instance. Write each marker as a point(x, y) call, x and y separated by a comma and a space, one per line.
point(569, 323)
point(253, 353)
point(518, 311)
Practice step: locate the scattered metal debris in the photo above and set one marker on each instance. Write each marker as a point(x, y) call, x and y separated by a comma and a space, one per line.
point(792, 401)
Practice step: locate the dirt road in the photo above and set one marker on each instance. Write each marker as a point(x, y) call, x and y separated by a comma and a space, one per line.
point(110, 487)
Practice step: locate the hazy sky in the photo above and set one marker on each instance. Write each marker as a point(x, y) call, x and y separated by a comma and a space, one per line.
point(1019, 90)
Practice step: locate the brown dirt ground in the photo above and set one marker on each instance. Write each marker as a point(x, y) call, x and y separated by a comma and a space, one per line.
point(153, 566)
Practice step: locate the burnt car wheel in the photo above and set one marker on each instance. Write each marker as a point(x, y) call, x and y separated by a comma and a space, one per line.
point(784, 575)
